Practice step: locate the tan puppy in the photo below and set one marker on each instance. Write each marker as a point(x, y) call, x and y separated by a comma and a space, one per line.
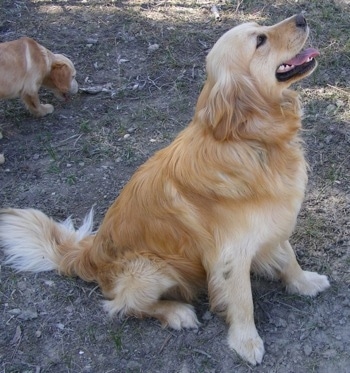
point(218, 202)
point(25, 66)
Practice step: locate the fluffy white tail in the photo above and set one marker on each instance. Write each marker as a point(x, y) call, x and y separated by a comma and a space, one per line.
point(34, 242)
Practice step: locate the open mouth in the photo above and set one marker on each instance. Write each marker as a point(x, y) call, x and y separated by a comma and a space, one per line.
point(298, 65)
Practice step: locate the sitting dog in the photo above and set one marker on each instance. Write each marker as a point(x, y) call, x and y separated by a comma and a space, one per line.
point(25, 66)
point(219, 202)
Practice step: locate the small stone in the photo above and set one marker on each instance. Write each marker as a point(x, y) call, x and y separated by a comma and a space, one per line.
point(126, 136)
point(38, 333)
point(207, 316)
point(28, 315)
point(22, 285)
point(331, 353)
point(307, 350)
point(60, 326)
point(133, 365)
point(15, 311)
point(91, 41)
point(2, 159)
point(153, 47)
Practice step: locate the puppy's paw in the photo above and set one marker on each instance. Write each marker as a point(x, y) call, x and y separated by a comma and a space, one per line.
point(248, 345)
point(46, 109)
point(310, 283)
point(181, 316)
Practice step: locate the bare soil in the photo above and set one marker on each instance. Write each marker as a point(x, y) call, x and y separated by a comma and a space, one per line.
point(147, 60)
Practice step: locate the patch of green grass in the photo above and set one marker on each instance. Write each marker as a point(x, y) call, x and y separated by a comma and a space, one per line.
point(84, 126)
point(54, 169)
point(117, 339)
point(71, 179)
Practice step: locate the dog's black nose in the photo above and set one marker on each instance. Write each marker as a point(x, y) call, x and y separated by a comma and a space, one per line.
point(300, 21)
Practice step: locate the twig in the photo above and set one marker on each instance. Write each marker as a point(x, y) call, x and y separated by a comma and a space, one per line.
point(166, 341)
point(92, 291)
point(292, 307)
point(339, 89)
point(203, 353)
point(238, 5)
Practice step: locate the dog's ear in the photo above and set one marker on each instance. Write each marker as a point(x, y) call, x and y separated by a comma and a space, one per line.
point(225, 106)
point(61, 76)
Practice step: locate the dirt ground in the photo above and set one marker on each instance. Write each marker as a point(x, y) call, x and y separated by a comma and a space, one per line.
point(146, 60)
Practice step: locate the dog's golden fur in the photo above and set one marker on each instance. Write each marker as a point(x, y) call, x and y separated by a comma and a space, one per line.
point(25, 66)
point(218, 202)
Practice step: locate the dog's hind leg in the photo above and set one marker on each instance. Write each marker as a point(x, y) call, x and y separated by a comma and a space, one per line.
point(281, 263)
point(33, 104)
point(138, 289)
point(299, 281)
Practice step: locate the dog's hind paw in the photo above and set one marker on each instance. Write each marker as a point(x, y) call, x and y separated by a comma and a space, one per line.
point(310, 283)
point(181, 316)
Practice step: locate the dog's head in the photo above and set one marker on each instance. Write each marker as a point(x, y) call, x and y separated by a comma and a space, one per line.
point(61, 79)
point(249, 70)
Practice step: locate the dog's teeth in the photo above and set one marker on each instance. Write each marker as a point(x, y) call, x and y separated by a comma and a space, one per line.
point(285, 67)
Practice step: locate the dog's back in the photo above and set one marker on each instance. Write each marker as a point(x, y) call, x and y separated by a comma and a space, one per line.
point(22, 63)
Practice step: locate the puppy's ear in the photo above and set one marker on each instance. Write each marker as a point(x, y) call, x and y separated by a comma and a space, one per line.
point(61, 76)
point(226, 105)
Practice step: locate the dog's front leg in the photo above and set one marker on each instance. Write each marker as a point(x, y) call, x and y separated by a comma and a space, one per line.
point(33, 104)
point(230, 289)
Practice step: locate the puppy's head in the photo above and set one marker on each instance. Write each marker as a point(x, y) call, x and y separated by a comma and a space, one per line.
point(249, 69)
point(61, 79)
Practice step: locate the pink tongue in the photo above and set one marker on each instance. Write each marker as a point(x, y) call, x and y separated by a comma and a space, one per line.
point(300, 58)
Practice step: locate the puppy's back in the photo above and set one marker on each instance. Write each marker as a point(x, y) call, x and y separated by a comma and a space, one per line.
point(23, 64)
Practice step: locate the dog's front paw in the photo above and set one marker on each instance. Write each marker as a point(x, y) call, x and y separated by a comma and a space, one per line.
point(46, 109)
point(310, 283)
point(248, 345)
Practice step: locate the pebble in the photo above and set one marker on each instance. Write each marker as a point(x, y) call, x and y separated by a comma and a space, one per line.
point(92, 41)
point(331, 353)
point(207, 316)
point(307, 350)
point(153, 47)
point(133, 365)
point(28, 315)
point(60, 326)
point(15, 311)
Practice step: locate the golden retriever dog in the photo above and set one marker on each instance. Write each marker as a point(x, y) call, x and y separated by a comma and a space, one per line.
point(219, 202)
point(25, 66)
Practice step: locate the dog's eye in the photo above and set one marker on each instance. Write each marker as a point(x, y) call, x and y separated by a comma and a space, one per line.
point(260, 40)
